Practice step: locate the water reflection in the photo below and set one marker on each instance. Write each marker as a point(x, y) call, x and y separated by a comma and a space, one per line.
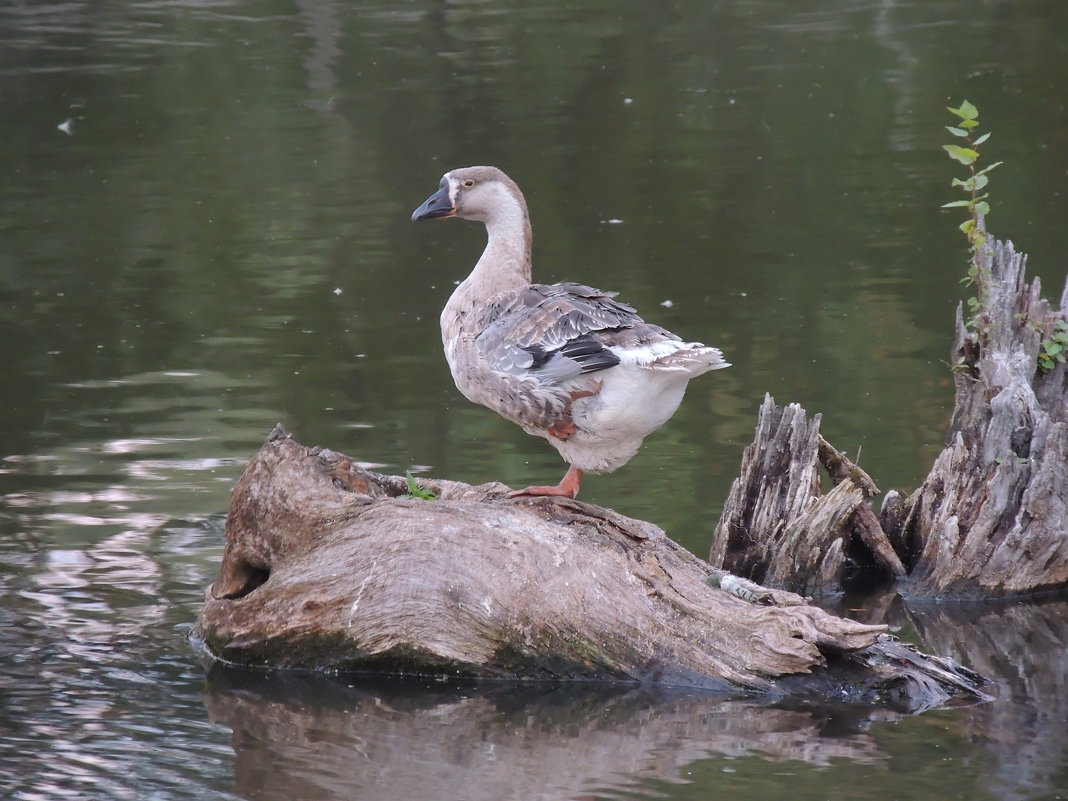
point(97, 698)
point(304, 737)
point(1023, 645)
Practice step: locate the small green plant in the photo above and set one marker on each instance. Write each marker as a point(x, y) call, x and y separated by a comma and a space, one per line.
point(415, 491)
point(968, 154)
point(977, 205)
point(1053, 347)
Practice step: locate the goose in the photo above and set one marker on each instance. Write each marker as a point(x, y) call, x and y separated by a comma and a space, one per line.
point(564, 361)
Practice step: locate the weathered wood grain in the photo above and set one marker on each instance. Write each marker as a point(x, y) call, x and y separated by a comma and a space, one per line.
point(779, 528)
point(326, 567)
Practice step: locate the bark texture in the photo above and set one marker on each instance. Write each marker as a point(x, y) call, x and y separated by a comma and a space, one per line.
point(991, 518)
point(327, 567)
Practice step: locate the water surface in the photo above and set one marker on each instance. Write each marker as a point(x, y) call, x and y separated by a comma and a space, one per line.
point(217, 239)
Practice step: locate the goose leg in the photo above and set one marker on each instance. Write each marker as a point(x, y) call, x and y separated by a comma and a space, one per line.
point(568, 486)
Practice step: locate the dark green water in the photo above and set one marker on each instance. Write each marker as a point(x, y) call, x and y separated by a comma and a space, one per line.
point(220, 241)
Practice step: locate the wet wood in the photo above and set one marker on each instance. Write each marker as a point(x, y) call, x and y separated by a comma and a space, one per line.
point(328, 567)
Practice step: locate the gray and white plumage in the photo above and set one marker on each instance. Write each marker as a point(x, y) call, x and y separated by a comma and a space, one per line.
point(565, 361)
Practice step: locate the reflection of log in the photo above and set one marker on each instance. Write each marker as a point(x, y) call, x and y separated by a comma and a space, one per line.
point(308, 738)
point(326, 568)
point(989, 519)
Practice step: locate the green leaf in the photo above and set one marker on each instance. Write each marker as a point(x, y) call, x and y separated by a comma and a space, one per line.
point(956, 111)
point(968, 227)
point(1052, 348)
point(956, 204)
point(982, 208)
point(980, 140)
point(969, 123)
point(968, 111)
point(956, 131)
point(980, 182)
point(985, 170)
point(962, 154)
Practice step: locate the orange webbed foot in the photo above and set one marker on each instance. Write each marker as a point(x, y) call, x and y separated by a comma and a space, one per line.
point(567, 488)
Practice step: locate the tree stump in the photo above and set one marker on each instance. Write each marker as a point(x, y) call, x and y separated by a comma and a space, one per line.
point(991, 518)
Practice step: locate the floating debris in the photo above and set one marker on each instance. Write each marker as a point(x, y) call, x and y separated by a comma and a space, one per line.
point(65, 126)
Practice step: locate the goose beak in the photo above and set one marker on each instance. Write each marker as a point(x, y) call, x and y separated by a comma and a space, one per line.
point(437, 205)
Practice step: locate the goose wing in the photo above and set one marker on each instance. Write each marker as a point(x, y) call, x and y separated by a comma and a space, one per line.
point(554, 333)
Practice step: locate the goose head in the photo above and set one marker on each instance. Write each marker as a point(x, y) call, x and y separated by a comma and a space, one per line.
point(484, 194)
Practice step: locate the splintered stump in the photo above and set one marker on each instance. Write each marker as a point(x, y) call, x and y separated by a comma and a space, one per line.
point(991, 518)
point(330, 567)
point(778, 528)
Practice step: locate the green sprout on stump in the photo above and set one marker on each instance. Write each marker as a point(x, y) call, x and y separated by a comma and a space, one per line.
point(415, 491)
point(967, 153)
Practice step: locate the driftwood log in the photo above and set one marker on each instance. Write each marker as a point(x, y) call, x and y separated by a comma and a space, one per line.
point(329, 567)
point(991, 518)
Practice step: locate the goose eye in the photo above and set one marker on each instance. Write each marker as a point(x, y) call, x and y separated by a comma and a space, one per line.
point(469, 183)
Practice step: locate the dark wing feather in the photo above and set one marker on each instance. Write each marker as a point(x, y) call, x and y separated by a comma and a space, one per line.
point(550, 332)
